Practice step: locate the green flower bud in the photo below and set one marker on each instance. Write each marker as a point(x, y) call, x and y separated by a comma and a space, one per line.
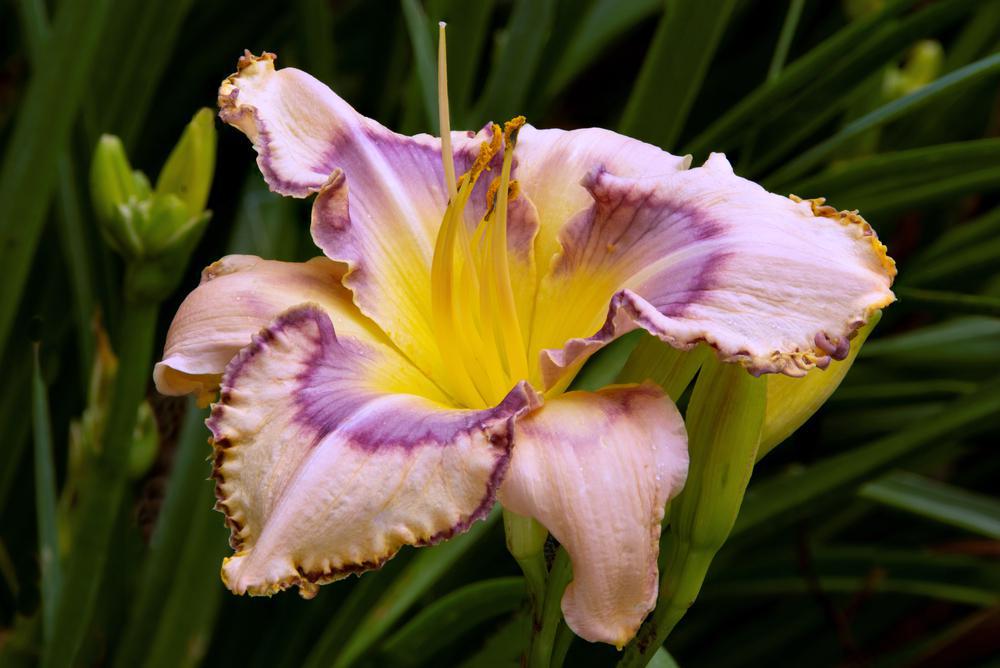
point(922, 66)
point(723, 420)
point(115, 189)
point(155, 230)
point(188, 171)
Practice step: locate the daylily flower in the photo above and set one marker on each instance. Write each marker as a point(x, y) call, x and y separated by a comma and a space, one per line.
point(387, 393)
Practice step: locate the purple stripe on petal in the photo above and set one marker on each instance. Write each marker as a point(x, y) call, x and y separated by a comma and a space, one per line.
point(776, 284)
point(332, 453)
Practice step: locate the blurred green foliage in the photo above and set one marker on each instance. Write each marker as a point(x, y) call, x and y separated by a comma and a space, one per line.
point(870, 537)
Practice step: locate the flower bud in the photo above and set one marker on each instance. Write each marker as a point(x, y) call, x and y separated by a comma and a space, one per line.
point(155, 230)
point(188, 171)
point(922, 66)
point(115, 189)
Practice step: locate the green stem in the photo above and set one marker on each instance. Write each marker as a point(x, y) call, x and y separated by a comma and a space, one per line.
point(106, 489)
point(526, 543)
point(543, 641)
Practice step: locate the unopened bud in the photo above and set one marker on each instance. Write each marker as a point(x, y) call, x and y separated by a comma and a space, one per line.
point(188, 171)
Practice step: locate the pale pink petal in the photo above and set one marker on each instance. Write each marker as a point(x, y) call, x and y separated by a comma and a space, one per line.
point(331, 453)
point(773, 283)
point(237, 296)
point(552, 164)
point(597, 469)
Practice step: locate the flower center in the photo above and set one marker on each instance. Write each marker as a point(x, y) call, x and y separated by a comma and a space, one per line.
point(475, 315)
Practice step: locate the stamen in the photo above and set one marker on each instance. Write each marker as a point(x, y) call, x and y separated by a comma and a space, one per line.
point(508, 323)
point(444, 120)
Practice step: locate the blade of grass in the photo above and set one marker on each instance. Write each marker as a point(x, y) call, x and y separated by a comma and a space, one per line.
point(511, 74)
point(982, 229)
point(423, 56)
point(504, 648)
point(149, 42)
point(949, 85)
point(168, 540)
point(447, 618)
point(74, 244)
point(902, 390)
point(942, 301)
point(937, 501)
point(40, 133)
point(468, 27)
point(969, 340)
point(674, 69)
point(845, 57)
point(603, 22)
point(969, 261)
point(786, 495)
point(364, 595)
point(780, 55)
point(183, 628)
point(906, 177)
point(316, 27)
point(45, 501)
point(426, 568)
point(950, 577)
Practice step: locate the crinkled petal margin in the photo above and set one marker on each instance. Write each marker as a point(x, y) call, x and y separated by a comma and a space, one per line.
point(775, 284)
point(329, 456)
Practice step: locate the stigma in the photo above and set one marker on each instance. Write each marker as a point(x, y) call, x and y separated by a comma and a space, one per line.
point(474, 313)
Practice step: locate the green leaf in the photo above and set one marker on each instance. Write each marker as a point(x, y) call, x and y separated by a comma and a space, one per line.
point(948, 302)
point(518, 57)
point(957, 578)
point(184, 625)
point(603, 21)
point(427, 567)
point(674, 69)
point(787, 495)
point(29, 171)
point(842, 60)
point(948, 85)
point(785, 39)
point(423, 55)
point(663, 660)
point(45, 501)
point(937, 501)
point(105, 492)
point(968, 234)
point(909, 178)
point(449, 617)
point(971, 340)
point(504, 648)
point(184, 500)
point(468, 27)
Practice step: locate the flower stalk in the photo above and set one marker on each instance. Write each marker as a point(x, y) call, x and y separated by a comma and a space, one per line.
point(154, 232)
